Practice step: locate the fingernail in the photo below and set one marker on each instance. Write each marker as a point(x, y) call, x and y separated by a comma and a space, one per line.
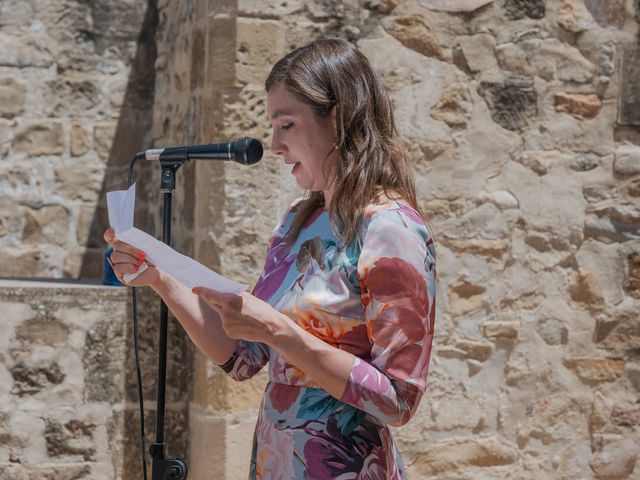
point(141, 255)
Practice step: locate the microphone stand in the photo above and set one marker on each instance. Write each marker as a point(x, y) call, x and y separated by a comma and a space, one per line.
point(163, 468)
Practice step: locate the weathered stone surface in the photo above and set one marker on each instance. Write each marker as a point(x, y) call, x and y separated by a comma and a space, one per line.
point(501, 329)
point(260, 45)
point(454, 108)
point(547, 58)
point(485, 248)
point(585, 292)
point(79, 140)
point(585, 162)
point(480, 351)
point(72, 439)
point(615, 459)
point(595, 369)
point(633, 274)
point(39, 137)
point(512, 103)
point(478, 52)
point(80, 92)
point(29, 380)
point(452, 456)
point(553, 331)
point(414, 33)
point(541, 161)
point(627, 160)
point(578, 105)
point(20, 261)
point(454, 6)
point(619, 330)
point(48, 224)
point(606, 13)
point(103, 137)
point(616, 223)
point(633, 188)
point(574, 17)
point(517, 9)
point(599, 193)
point(16, 52)
point(12, 97)
point(465, 297)
point(630, 85)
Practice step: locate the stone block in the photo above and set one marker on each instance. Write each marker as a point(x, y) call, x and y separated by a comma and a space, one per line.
point(20, 261)
point(32, 379)
point(455, 106)
point(578, 105)
point(20, 52)
point(198, 57)
point(501, 329)
point(609, 13)
point(518, 9)
point(66, 95)
point(221, 51)
point(478, 51)
point(594, 370)
point(553, 331)
point(629, 102)
point(616, 223)
point(585, 292)
point(103, 138)
point(443, 458)
point(574, 16)
point(633, 274)
point(512, 103)
point(627, 161)
point(618, 330)
point(71, 441)
point(83, 184)
point(47, 224)
point(414, 32)
point(465, 297)
point(548, 58)
point(454, 6)
point(615, 459)
point(79, 140)
point(268, 8)
point(38, 137)
point(12, 97)
point(260, 45)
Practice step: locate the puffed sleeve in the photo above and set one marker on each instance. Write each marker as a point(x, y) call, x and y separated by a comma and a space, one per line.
point(397, 274)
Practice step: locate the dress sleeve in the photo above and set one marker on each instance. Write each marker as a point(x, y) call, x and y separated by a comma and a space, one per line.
point(397, 277)
point(249, 357)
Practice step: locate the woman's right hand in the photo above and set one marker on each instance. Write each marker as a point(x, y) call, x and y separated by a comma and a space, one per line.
point(127, 259)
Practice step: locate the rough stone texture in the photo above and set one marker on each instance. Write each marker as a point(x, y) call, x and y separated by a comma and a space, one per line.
point(520, 119)
point(67, 410)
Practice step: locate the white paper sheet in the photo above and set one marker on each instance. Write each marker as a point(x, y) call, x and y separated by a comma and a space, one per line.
point(120, 206)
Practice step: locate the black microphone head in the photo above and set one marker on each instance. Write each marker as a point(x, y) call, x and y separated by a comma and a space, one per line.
point(247, 150)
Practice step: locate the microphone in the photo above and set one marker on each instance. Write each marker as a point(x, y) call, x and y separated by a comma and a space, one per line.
point(246, 151)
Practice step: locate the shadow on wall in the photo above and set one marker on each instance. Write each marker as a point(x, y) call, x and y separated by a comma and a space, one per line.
point(131, 135)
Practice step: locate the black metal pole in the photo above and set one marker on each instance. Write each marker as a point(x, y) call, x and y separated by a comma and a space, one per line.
point(162, 468)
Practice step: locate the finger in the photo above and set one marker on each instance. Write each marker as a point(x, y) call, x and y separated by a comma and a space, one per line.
point(129, 249)
point(109, 236)
point(212, 297)
point(119, 257)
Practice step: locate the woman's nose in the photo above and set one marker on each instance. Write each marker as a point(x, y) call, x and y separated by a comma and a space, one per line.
point(277, 148)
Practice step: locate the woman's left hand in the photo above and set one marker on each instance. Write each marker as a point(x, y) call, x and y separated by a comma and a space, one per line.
point(243, 316)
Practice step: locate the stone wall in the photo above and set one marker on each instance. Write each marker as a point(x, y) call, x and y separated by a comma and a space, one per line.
point(521, 118)
point(76, 92)
point(68, 397)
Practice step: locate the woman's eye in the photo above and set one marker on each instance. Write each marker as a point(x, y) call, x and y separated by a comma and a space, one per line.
point(287, 126)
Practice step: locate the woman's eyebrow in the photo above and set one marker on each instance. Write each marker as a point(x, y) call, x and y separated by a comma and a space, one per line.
point(280, 113)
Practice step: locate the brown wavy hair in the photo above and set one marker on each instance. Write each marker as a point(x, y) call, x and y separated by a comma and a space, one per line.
point(334, 73)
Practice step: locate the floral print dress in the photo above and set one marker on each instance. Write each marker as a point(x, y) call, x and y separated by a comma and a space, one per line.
point(374, 298)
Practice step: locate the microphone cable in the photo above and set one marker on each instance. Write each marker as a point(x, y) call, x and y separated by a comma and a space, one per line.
point(136, 350)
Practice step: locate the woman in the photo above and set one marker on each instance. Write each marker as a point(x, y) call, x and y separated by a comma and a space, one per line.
point(344, 309)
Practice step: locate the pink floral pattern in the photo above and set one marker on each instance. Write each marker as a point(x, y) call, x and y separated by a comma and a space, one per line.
point(375, 299)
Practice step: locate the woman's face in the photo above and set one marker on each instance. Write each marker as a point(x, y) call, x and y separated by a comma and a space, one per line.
point(304, 141)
